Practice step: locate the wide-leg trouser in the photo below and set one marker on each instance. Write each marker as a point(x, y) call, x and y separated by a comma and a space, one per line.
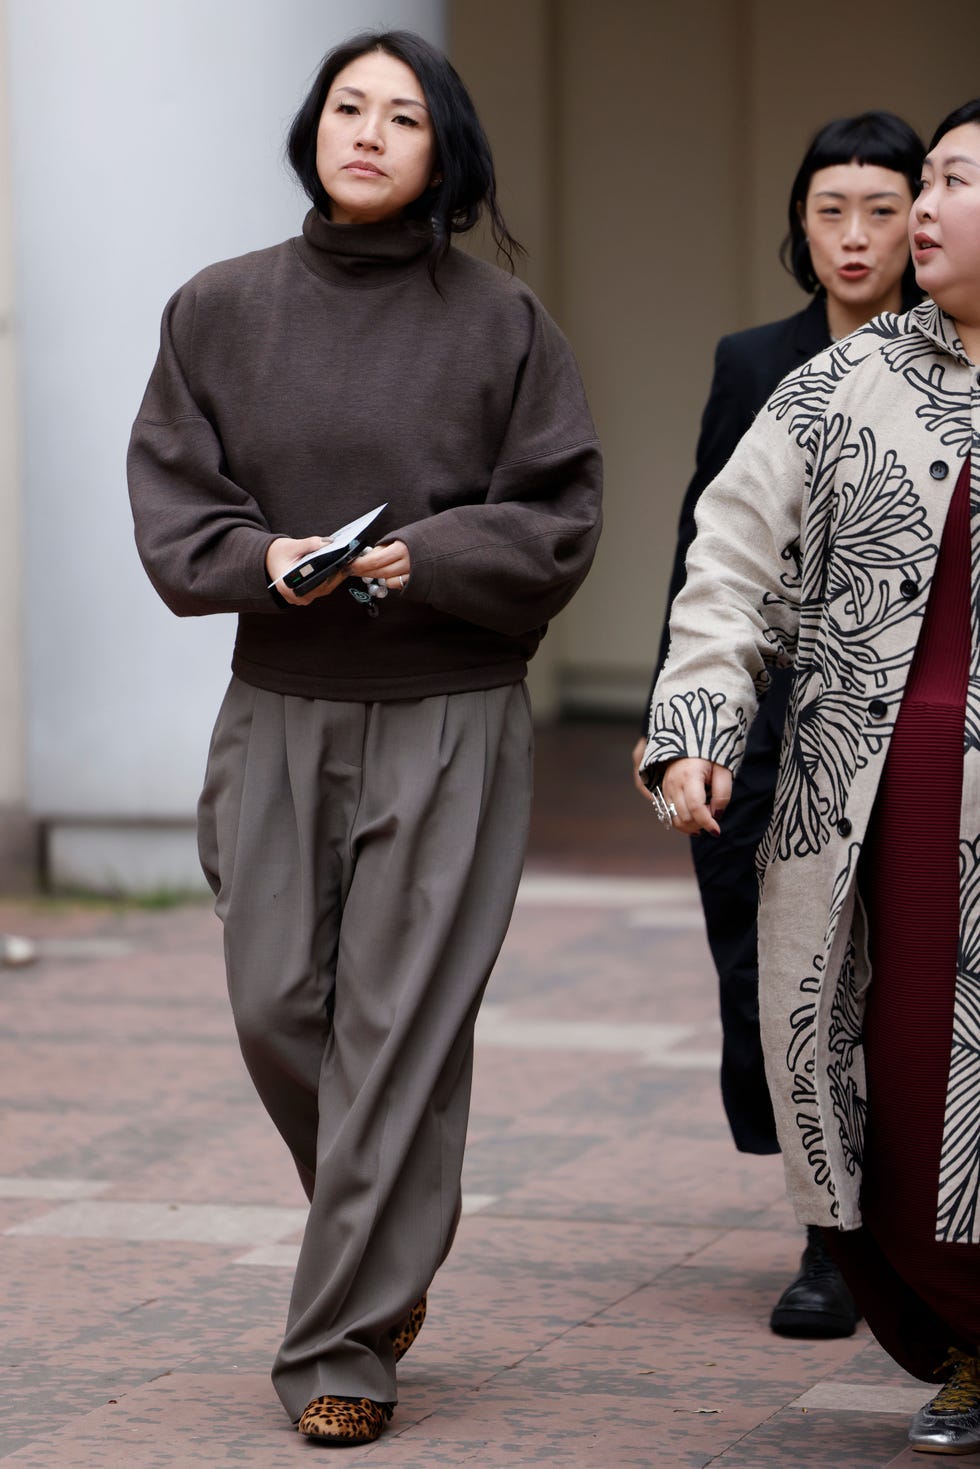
point(365, 859)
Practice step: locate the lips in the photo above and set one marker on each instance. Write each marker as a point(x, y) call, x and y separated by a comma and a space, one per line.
point(360, 166)
point(855, 270)
point(923, 246)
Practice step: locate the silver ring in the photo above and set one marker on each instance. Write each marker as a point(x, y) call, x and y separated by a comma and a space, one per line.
point(665, 810)
point(401, 583)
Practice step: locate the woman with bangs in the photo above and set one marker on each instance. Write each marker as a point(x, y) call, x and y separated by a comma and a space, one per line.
point(847, 248)
point(841, 541)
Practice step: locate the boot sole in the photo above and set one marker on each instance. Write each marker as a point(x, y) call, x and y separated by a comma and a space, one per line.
point(811, 1323)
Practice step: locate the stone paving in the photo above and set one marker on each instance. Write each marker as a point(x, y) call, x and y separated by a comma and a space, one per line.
point(607, 1299)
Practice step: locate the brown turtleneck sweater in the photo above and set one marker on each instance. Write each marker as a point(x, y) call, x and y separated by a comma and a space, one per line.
point(299, 386)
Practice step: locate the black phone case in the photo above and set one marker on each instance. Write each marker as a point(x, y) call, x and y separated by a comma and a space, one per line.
point(312, 573)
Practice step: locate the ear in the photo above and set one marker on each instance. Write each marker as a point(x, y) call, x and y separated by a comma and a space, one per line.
point(801, 216)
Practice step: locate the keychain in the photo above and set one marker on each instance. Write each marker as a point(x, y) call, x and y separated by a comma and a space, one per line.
point(374, 589)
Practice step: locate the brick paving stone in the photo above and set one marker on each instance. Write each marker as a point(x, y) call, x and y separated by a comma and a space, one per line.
point(608, 1306)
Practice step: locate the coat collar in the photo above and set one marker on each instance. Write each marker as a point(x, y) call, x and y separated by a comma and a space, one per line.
point(933, 323)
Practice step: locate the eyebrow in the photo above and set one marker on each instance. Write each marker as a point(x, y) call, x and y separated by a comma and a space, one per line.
point(837, 194)
point(395, 101)
point(930, 162)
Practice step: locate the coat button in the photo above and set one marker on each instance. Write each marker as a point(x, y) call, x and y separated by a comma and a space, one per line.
point(909, 588)
point(938, 469)
point(878, 708)
point(844, 827)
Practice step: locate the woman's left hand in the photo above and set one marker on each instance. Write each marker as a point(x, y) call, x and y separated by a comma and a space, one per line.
point(390, 562)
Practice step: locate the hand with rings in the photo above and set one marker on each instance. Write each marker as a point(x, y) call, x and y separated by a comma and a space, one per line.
point(692, 794)
point(389, 563)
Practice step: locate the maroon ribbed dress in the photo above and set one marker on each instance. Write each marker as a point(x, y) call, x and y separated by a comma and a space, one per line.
point(920, 1297)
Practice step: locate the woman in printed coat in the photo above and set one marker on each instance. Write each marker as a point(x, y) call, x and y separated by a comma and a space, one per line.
point(838, 540)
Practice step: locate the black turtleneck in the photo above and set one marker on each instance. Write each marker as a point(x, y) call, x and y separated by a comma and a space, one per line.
point(297, 387)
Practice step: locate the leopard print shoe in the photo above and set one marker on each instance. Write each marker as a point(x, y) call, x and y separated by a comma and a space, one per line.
point(403, 1336)
point(344, 1422)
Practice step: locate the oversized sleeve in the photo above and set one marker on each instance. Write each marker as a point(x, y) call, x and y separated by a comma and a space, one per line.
point(201, 537)
point(737, 613)
point(512, 562)
point(727, 415)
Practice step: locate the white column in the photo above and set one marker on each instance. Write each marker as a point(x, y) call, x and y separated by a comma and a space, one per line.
point(147, 143)
point(15, 842)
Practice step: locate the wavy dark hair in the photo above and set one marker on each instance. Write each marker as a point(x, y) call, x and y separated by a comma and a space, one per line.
point(467, 185)
point(969, 112)
point(871, 137)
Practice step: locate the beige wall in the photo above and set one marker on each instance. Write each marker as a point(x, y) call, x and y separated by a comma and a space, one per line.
point(646, 151)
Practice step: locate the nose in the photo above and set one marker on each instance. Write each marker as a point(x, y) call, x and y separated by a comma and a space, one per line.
point(368, 134)
point(923, 206)
point(855, 232)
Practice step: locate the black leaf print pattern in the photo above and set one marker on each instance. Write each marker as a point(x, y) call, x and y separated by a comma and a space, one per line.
point(941, 409)
point(846, 1068)
point(971, 736)
point(818, 764)
point(841, 889)
point(906, 349)
point(959, 1164)
point(866, 532)
point(971, 728)
point(845, 1019)
point(879, 526)
point(801, 1064)
point(804, 395)
point(850, 1110)
point(690, 725)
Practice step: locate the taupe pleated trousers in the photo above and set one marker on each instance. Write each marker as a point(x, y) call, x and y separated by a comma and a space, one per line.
point(365, 859)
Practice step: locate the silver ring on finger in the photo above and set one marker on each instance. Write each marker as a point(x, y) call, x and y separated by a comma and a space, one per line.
point(665, 810)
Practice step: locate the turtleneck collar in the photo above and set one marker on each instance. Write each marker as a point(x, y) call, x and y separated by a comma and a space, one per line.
point(367, 254)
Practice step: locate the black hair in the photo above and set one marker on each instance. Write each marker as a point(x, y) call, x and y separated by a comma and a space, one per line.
point(872, 137)
point(467, 184)
point(969, 112)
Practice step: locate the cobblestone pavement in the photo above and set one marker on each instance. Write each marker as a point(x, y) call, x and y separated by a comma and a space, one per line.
point(607, 1299)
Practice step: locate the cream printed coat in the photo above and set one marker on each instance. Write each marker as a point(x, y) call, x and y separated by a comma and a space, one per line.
point(816, 547)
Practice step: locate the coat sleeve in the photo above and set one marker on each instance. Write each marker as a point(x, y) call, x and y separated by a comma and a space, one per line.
point(727, 416)
point(737, 614)
point(201, 537)
point(513, 561)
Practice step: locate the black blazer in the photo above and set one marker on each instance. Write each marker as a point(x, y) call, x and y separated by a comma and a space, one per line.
point(748, 366)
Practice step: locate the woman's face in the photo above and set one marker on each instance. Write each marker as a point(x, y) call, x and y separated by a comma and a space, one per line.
point(944, 226)
point(855, 219)
point(375, 148)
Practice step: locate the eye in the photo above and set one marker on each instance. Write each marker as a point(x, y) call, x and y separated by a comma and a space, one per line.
point(952, 178)
point(829, 210)
point(883, 211)
point(347, 107)
point(405, 120)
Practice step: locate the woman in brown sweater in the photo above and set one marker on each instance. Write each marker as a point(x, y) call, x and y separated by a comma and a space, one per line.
point(365, 807)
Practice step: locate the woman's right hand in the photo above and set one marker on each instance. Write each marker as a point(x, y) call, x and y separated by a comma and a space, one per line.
point(699, 790)
point(280, 557)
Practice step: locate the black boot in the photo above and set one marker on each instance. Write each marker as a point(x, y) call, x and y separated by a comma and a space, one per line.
point(817, 1302)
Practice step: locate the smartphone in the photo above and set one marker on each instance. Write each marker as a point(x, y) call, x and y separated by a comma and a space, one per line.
point(345, 545)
